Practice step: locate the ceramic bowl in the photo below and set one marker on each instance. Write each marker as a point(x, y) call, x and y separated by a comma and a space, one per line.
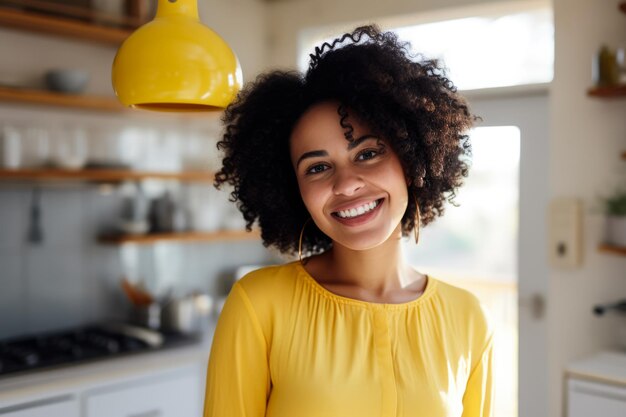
point(67, 80)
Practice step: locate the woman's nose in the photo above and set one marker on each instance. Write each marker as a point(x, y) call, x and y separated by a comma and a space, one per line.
point(346, 182)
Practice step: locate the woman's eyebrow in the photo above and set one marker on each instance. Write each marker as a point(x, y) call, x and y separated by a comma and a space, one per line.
point(358, 141)
point(310, 154)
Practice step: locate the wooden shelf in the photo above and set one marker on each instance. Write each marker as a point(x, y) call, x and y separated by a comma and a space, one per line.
point(101, 175)
point(91, 103)
point(72, 28)
point(608, 92)
point(149, 239)
point(77, 101)
point(615, 250)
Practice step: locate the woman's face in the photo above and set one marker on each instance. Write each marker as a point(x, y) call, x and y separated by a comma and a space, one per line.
point(356, 192)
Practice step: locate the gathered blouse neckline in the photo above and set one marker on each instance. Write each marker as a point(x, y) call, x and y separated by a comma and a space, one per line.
point(429, 290)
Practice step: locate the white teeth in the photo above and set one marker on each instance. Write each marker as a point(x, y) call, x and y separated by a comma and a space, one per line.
point(353, 212)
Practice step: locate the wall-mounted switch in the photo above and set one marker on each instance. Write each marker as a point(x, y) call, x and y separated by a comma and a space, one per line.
point(565, 237)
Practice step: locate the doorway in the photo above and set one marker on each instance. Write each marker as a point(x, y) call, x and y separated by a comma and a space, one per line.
point(493, 244)
point(529, 112)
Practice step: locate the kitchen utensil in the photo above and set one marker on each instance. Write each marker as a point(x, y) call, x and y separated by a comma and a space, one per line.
point(35, 231)
point(134, 217)
point(69, 148)
point(162, 213)
point(605, 70)
point(187, 314)
point(137, 296)
point(10, 147)
point(35, 147)
point(148, 315)
point(71, 81)
point(150, 337)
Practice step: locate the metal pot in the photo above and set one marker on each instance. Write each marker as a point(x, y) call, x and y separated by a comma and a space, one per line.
point(188, 314)
point(147, 315)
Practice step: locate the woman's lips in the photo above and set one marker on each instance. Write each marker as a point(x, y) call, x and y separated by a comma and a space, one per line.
point(360, 219)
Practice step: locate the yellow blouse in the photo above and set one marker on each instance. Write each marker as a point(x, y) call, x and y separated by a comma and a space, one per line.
point(285, 346)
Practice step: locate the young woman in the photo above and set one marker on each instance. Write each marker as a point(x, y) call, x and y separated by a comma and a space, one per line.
point(337, 166)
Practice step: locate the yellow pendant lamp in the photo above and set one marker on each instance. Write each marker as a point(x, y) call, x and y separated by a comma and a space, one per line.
point(175, 63)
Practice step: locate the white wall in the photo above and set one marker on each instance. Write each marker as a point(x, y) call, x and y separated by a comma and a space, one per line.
point(244, 25)
point(587, 137)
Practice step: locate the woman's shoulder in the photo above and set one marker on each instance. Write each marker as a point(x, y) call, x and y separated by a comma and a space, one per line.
point(464, 306)
point(273, 280)
point(456, 295)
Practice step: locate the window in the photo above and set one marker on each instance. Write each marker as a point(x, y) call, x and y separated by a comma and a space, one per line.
point(485, 48)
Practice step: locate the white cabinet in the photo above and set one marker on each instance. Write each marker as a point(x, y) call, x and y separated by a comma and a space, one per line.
point(164, 396)
point(67, 406)
point(587, 398)
point(169, 383)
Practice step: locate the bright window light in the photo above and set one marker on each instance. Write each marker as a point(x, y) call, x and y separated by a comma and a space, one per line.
point(484, 52)
point(499, 48)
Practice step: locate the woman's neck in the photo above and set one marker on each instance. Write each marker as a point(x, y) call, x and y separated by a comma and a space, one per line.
point(378, 271)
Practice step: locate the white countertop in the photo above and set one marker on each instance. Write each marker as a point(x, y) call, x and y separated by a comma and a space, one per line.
point(54, 382)
point(608, 367)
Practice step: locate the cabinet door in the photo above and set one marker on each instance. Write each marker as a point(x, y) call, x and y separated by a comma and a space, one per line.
point(64, 406)
point(175, 396)
point(587, 398)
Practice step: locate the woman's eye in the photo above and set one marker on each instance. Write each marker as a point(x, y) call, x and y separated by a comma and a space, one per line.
point(368, 154)
point(315, 169)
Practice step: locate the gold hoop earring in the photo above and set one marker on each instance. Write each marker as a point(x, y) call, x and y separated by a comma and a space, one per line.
point(416, 227)
point(301, 238)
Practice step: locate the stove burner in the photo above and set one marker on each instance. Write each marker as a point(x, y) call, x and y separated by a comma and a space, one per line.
point(79, 345)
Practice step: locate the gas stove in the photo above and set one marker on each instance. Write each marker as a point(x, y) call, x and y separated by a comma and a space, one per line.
point(81, 345)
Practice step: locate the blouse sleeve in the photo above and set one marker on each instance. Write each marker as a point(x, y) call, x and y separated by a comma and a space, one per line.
point(238, 381)
point(478, 398)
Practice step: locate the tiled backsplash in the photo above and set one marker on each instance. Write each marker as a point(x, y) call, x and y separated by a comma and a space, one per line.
point(71, 279)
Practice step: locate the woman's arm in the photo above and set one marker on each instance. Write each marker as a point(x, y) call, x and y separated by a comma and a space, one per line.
point(238, 380)
point(478, 397)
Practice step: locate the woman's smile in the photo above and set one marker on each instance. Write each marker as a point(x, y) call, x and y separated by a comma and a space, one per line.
point(357, 211)
point(357, 215)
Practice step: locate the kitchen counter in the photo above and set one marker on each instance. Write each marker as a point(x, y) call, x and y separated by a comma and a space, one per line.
point(59, 381)
point(607, 367)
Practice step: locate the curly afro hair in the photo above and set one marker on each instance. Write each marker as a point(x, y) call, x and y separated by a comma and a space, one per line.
point(407, 101)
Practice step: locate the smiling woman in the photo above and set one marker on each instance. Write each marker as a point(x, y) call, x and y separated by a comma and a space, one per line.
point(341, 163)
point(355, 190)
